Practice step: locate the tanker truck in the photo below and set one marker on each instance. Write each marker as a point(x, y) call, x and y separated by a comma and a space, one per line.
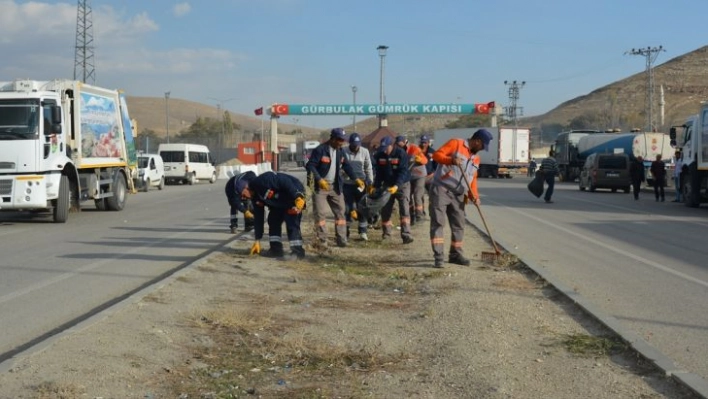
point(635, 144)
point(565, 151)
point(63, 142)
point(694, 148)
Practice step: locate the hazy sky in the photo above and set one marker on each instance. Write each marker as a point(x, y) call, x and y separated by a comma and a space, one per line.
point(251, 53)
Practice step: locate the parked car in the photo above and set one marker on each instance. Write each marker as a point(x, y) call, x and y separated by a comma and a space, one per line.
point(605, 171)
point(187, 163)
point(151, 172)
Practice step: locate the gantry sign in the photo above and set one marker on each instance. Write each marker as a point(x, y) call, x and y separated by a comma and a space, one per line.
point(379, 109)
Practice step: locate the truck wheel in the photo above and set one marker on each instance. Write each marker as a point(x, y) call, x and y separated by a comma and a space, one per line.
point(146, 185)
point(162, 184)
point(62, 203)
point(100, 204)
point(626, 190)
point(691, 187)
point(592, 188)
point(192, 179)
point(213, 178)
point(117, 201)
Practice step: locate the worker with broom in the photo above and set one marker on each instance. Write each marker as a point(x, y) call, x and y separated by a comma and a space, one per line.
point(454, 184)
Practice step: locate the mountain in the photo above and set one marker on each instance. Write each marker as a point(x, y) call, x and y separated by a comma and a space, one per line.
point(622, 104)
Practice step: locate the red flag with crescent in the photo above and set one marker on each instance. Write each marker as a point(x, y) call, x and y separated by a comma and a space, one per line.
point(481, 108)
point(281, 109)
point(258, 111)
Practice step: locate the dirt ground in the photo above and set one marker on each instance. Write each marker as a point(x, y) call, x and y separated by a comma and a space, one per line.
point(373, 320)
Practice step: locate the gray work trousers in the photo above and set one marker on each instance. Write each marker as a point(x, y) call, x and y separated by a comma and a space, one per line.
point(444, 204)
point(323, 199)
point(403, 196)
point(417, 191)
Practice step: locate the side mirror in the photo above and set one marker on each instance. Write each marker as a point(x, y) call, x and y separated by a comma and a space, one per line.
point(673, 142)
point(56, 128)
point(56, 115)
point(672, 134)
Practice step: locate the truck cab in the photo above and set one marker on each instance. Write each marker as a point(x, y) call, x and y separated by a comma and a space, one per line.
point(694, 150)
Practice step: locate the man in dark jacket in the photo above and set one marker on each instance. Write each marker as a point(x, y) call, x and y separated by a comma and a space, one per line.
point(636, 175)
point(284, 195)
point(323, 170)
point(239, 204)
point(391, 174)
point(658, 172)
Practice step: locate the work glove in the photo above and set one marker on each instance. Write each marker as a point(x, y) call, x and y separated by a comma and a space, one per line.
point(371, 190)
point(256, 248)
point(419, 159)
point(248, 214)
point(393, 189)
point(323, 184)
point(300, 203)
point(360, 184)
point(354, 215)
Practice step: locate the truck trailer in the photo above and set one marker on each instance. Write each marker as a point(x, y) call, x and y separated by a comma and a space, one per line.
point(508, 151)
point(565, 151)
point(63, 142)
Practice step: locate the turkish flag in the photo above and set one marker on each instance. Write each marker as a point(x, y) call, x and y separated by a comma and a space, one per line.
point(281, 109)
point(491, 104)
point(258, 111)
point(481, 108)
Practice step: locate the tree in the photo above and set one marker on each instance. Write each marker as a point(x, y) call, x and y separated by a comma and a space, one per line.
point(473, 120)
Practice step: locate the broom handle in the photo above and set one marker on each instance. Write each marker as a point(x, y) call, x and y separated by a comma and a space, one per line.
point(489, 233)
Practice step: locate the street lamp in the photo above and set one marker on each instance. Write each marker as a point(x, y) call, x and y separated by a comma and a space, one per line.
point(167, 115)
point(354, 89)
point(382, 54)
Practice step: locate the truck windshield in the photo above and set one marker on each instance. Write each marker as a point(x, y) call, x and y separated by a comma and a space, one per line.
point(19, 119)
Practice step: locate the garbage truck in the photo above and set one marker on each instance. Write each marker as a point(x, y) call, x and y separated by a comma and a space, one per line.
point(63, 142)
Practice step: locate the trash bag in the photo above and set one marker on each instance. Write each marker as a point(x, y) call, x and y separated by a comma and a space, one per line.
point(536, 185)
point(370, 205)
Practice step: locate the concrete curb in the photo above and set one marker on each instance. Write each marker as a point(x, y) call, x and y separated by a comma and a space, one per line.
point(694, 382)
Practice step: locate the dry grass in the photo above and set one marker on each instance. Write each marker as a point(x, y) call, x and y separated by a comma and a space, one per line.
point(593, 346)
point(54, 390)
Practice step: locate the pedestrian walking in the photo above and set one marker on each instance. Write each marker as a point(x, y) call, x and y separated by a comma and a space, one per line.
point(418, 171)
point(532, 168)
point(239, 204)
point(678, 166)
point(637, 175)
point(658, 172)
point(284, 196)
point(323, 169)
point(549, 168)
point(454, 184)
point(360, 161)
point(392, 174)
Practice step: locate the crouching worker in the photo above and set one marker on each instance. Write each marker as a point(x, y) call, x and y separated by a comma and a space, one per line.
point(238, 203)
point(284, 195)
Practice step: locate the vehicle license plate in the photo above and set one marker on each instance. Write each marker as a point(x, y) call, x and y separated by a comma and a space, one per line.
point(613, 174)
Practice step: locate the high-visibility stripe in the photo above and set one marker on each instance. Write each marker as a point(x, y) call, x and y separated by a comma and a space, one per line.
point(456, 244)
point(405, 220)
point(275, 239)
point(437, 240)
point(234, 217)
point(389, 223)
point(295, 243)
point(30, 177)
point(340, 222)
point(322, 223)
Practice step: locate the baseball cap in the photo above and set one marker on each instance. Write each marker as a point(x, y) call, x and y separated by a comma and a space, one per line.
point(401, 138)
point(424, 139)
point(243, 179)
point(485, 136)
point(354, 138)
point(338, 133)
point(386, 141)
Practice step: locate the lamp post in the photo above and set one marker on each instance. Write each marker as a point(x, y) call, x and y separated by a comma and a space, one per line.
point(354, 89)
point(382, 54)
point(167, 115)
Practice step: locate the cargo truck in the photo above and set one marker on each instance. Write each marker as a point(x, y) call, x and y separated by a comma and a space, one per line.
point(694, 148)
point(508, 151)
point(63, 142)
point(565, 151)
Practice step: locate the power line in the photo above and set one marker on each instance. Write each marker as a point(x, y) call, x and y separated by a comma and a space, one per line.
point(650, 53)
point(513, 111)
point(84, 64)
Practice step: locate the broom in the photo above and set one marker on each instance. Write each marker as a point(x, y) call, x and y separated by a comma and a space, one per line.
point(485, 255)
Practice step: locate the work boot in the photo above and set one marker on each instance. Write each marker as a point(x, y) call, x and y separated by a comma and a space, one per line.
point(341, 242)
point(458, 259)
point(233, 230)
point(407, 239)
point(296, 253)
point(275, 251)
point(438, 264)
point(248, 228)
point(364, 236)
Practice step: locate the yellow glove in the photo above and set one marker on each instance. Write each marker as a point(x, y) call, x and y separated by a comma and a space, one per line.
point(300, 203)
point(323, 184)
point(419, 159)
point(354, 215)
point(256, 248)
point(393, 189)
point(371, 190)
point(360, 183)
point(248, 214)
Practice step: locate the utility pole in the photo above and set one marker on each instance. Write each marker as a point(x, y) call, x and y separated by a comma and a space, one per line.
point(84, 64)
point(650, 53)
point(513, 111)
point(382, 98)
point(354, 88)
point(167, 115)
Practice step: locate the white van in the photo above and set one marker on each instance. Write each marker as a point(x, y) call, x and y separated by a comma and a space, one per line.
point(151, 171)
point(187, 163)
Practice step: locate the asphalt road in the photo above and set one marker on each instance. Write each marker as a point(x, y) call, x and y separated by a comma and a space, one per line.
point(52, 274)
point(643, 262)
